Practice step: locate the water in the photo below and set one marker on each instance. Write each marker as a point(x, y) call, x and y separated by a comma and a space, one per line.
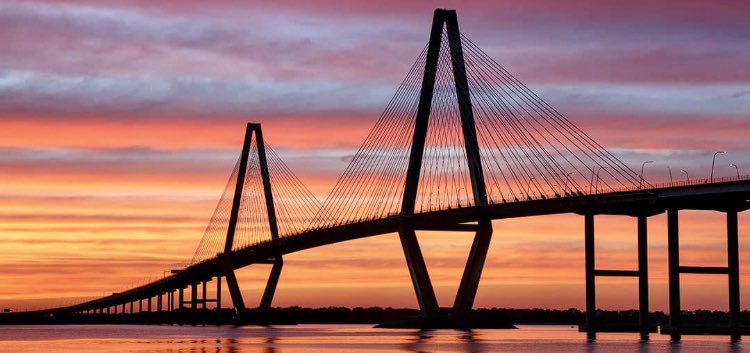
point(337, 338)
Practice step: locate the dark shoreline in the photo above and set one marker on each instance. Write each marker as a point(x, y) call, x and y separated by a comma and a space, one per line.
point(488, 318)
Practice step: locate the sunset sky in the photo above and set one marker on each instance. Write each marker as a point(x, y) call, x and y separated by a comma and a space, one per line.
point(120, 122)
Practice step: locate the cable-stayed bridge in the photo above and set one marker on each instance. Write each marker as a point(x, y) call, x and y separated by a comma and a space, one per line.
point(461, 143)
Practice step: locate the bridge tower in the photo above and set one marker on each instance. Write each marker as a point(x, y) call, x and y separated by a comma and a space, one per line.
point(277, 262)
point(420, 278)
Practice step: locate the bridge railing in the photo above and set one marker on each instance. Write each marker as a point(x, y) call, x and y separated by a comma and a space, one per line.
point(678, 183)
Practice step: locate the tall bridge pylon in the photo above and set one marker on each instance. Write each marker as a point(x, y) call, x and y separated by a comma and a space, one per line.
point(418, 270)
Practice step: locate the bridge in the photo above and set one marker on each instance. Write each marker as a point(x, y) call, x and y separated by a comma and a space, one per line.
point(461, 143)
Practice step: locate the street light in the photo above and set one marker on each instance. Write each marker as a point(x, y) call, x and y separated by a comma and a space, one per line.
point(528, 190)
point(736, 168)
point(686, 174)
point(670, 174)
point(565, 182)
point(713, 161)
point(596, 186)
point(640, 186)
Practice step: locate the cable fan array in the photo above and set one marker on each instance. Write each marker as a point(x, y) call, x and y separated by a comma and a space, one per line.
point(295, 206)
point(527, 150)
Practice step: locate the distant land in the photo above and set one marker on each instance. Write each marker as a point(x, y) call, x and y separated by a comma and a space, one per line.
point(372, 315)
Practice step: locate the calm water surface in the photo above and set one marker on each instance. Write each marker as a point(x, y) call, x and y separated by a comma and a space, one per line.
point(337, 338)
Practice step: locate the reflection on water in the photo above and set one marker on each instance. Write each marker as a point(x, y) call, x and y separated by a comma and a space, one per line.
point(339, 338)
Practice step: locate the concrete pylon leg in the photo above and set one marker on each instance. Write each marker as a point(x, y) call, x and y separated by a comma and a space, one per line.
point(194, 296)
point(643, 276)
point(673, 254)
point(418, 271)
point(273, 281)
point(234, 290)
point(733, 265)
point(590, 276)
point(467, 290)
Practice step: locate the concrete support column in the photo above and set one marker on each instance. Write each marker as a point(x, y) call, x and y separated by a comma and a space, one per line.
point(673, 251)
point(643, 276)
point(733, 264)
point(194, 296)
point(590, 276)
point(204, 295)
point(218, 292)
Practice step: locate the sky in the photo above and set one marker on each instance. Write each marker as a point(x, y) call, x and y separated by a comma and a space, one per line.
point(120, 122)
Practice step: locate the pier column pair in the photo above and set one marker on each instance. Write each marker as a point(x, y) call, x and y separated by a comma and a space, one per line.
point(591, 273)
point(731, 270)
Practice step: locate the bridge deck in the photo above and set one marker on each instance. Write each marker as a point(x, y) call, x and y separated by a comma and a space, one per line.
point(718, 196)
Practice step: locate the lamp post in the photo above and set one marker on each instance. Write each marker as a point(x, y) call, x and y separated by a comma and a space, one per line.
point(640, 185)
point(736, 168)
point(670, 175)
point(565, 182)
point(713, 161)
point(686, 174)
point(596, 186)
point(528, 190)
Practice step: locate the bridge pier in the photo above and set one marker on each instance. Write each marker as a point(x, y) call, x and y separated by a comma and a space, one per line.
point(591, 326)
point(676, 328)
point(148, 305)
point(643, 307)
point(673, 251)
point(203, 297)
point(218, 292)
point(733, 264)
point(194, 296)
point(182, 298)
point(590, 278)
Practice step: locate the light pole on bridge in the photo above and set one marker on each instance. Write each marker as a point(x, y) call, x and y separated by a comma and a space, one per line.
point(713, 162)
point(596, 185)
point(686, 174)
point(640, 185)
point(736, 168)
point(565, 182)
point(670, 175)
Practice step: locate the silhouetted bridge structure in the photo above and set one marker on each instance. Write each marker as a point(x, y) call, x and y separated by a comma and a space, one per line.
point(461, 143)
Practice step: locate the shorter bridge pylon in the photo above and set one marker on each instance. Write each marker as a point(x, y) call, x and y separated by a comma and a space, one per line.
point(238, 302)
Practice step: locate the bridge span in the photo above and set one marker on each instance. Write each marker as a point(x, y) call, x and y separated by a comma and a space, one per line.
point(462, 143)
